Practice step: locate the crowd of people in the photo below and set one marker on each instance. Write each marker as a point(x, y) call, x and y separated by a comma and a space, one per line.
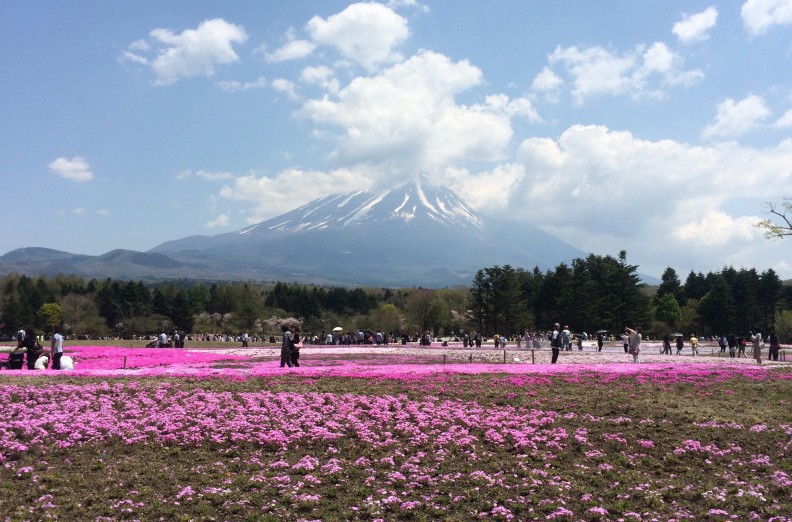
point(30, 352)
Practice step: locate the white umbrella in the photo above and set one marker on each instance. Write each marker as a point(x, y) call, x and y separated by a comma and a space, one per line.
point(338, 329)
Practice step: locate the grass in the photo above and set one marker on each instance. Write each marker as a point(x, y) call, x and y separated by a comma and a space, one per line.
point(649, 446)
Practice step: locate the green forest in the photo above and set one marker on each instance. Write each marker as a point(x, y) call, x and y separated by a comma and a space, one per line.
point(598, 292)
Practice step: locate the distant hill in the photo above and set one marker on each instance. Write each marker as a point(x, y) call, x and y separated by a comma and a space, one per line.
point(414, 235)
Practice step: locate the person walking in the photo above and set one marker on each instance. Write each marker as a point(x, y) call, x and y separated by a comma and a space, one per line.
point(694, 344)
point(722, 342)
point(285, 359)
point(666, 344)
point(634, 341)
point(680, 343)
point(600, 341)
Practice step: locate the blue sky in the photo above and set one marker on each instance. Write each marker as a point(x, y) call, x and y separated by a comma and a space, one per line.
point(660, 128)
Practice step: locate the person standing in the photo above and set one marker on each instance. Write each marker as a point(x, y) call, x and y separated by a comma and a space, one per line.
point(732, 346)
point(775, 346)
point(285, 359)
point(245, 340)
point(566, 339)
point(600, 342)
point(56, 348)
point(555, 343)
point(756, 338)
point(163, 340)
point(294, 346)
point(680, 343)
point(634, 342)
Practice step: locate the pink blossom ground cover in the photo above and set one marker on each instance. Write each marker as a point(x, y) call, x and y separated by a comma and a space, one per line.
point(229, 436)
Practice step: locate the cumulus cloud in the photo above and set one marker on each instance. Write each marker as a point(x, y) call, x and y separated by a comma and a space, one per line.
point(592, 185)
point(737, 118)
point(74, 169)
point(285, 86)
point(785, 120)
point(596, 71)
point(365, 33)
point(716, 229)
point(220, 222)
point(406, 118)
point(272, 196)
point(759, 15)
point(547, 80)
point(322, 76)
point(193, 52)
point(695, 27)
point(293, 50)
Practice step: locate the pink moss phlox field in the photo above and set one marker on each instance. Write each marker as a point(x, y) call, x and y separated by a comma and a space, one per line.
point(114, 361)
point(70, 415)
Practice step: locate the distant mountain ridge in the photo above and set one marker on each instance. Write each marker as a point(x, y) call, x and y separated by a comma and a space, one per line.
point(413, 235)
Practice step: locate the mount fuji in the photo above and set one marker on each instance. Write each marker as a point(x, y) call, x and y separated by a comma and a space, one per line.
point(414, 235)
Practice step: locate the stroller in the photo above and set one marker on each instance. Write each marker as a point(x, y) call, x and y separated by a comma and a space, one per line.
point(16, 360)
point(152, 344)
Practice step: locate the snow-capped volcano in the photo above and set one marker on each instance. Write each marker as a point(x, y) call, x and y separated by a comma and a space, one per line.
point(413, 204)
point(415, 234)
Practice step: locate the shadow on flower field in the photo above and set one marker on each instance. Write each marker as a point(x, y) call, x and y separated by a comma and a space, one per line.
point(136, 434)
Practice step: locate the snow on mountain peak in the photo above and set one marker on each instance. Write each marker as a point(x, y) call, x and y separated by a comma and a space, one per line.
point(411, 203)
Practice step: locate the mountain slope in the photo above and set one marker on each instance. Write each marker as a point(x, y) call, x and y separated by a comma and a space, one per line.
point(414, 235)
point(399, 237)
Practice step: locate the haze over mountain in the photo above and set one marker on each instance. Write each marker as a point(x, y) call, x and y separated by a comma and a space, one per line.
point(413, 235)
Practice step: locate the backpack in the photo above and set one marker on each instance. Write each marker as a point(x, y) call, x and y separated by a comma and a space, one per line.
point(20, 336)
point(555, 342)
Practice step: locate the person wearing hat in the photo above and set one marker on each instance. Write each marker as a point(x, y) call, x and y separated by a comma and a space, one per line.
point(756, 338)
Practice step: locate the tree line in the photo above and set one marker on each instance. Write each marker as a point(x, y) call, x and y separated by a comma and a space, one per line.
point(595, 293)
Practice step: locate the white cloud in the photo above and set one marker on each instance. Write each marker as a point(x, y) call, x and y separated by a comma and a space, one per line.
point(74, 169)
point(759, 15)
point(547, 80)
point(80, 211)
point(285, 86)
point(695, 27)
point(236, 86)
point(322, 76)
point(601, 189)
point(272, 196)
point(193, 52)
point(365, 33)
point(220, 222)
point(214, 176)
point(406, 119)
point(596, 71)
point(293, 50)
point(785, 120)
point(737, 118)
point(718, 229)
